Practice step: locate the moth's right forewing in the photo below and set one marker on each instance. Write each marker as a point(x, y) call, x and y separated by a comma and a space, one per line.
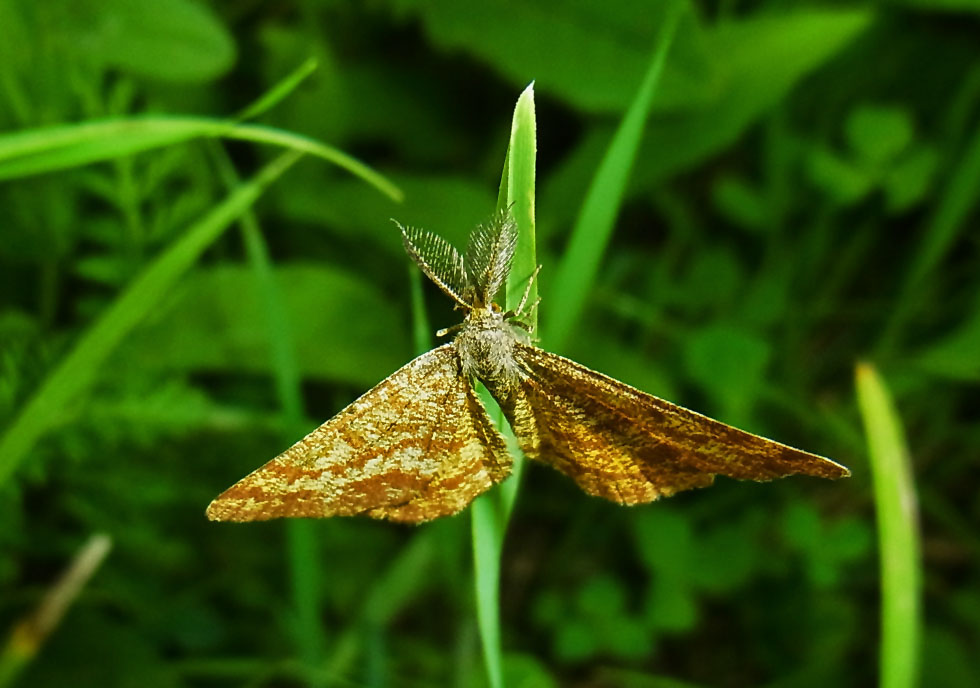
point(417, 446)
point(622, 444)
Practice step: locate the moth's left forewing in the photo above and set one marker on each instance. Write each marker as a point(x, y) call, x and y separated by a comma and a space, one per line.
point(623, 444)
point(417, 446)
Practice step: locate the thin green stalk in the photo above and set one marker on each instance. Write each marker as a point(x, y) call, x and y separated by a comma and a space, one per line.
point(421, 334)
point(898, 532)
point(406, 574)
point(305, 571)
point(579, 266)
point(76, 371)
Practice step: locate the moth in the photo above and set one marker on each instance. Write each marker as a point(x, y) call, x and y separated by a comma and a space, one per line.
point(420, 444)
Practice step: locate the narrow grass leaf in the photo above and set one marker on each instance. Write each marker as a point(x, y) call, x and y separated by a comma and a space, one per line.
point(491, 511)
point(49, 149)
point(279, 91)
point(76, 371)
point(957, 199)
point(578, 268)
point(898, 532)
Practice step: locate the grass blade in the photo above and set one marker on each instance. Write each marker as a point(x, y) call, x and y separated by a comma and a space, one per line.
point(593, 227)
point(898, 533)
point(491, 512)
point(64, 146)
point(79, 367)
point(277, 93)
point(957, 200)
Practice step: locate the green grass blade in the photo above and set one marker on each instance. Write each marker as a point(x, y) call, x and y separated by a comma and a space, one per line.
point(421, 332)
point(956, 201)
point(61, 147)
point(406, 575)
point(303, 554)
point(278, 92)
point(898, 532)
point(488, 540)
point(305, 581)
point(491, 512)
point(958, 198)
point(578, 268)
point(79, 367)
point(521, 165)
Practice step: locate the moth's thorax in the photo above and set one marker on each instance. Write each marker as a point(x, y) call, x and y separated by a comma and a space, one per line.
point(486, 349)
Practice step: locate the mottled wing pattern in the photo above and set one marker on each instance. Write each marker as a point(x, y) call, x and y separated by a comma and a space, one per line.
point(417, 446)
point(438, 259)
point(489, 254)
point(627, 446)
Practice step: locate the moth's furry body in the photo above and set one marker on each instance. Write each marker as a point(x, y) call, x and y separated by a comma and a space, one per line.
point(420, 445)
point(486, 346)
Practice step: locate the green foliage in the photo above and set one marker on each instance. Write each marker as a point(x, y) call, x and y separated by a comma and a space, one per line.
point(798, 192)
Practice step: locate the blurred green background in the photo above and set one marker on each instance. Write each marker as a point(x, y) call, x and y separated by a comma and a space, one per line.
point(803, 198)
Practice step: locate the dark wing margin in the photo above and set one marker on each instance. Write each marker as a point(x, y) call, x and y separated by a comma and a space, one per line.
point(489, 254)
point(630, 447)
point(417, 446)
point(438, 259)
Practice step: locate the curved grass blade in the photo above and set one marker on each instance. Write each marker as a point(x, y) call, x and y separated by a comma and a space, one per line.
point(898, 532)
point(60, 147)
point(76, 371)
point(578, 267)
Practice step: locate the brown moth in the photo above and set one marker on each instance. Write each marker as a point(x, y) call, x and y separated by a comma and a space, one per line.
point(420, 444)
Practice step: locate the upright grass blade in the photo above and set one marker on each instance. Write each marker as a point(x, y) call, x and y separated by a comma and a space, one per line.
point(421, 333)
point(75, 372)
point(306, 575)
point(578, 267)
point(898, 533)
point(491, 512)
point(576, 273)
point(392, 592)
point(64, 146)
point(957, 200)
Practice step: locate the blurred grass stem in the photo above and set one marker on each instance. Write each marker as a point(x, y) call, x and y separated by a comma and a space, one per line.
point(29, 634)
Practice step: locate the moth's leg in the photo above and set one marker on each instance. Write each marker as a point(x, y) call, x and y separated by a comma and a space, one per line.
point(526, 326)
point(527, 292)
point(450, 330)
point(531, 308)
point(519, 311)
